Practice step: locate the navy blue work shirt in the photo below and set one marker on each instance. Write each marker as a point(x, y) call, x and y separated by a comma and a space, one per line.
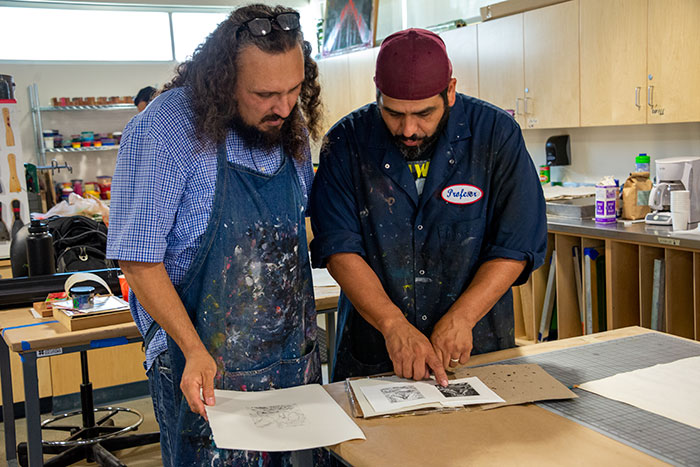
point(481, 200)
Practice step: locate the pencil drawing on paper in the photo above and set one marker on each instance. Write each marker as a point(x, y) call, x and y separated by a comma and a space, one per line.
point(396, 394)
point(279, 416)
point(458, 390)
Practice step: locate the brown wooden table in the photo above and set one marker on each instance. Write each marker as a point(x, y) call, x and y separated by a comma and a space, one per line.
point(517, 435)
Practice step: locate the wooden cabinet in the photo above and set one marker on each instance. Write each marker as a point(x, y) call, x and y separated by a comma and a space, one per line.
point(528, 63)
point(613, 62)
point(640, 61)
point(551, 60)
point(501, 76)
point(462, 50)
point(347, 83)
point(674, 61)
point(625, 293)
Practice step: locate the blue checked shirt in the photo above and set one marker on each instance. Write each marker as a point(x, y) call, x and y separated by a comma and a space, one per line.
point(163, 188)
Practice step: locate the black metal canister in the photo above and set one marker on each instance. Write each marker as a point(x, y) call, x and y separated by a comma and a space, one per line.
point(40, 254)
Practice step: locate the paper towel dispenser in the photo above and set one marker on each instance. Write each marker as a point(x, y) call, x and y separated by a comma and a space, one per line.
point(558, 150)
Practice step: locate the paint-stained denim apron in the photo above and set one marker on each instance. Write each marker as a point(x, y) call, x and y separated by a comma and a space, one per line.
point(250, 296)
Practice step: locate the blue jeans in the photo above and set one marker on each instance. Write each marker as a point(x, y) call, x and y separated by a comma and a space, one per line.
point(160, 382)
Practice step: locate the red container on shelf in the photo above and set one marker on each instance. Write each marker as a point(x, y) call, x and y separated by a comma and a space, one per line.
point(105, 184)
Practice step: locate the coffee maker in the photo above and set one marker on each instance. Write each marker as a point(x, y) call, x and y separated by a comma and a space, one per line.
point(674, 173)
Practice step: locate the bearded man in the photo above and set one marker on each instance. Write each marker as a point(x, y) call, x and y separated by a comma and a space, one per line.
point(208, 224)
point(426, 209)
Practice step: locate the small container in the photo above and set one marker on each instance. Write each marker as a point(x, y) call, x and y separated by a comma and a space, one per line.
point(105, 184)
point(65, 193)
point(544, 174)
point(77, 187)
point(641, 163)
point(97, 143)
point(606, 203)
point(48, 142)
point(75, 144)
point(83, 296)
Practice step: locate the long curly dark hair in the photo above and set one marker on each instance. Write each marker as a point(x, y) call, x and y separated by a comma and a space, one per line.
point(211, 77)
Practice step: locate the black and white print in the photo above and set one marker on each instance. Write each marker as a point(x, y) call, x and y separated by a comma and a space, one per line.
point(397, 394)
point(279, 416)
point(458, 390)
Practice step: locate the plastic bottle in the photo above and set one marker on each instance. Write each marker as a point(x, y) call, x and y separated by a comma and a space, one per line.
point(642, 163)
point(40, 255)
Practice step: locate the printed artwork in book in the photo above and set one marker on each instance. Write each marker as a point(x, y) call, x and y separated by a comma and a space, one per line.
point(394, 395)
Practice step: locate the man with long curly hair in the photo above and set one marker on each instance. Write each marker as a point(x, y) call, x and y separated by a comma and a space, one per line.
point(208, 224)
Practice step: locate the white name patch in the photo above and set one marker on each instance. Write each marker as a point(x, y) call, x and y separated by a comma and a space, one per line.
point(462, 194)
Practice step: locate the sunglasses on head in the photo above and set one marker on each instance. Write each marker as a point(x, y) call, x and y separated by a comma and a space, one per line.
point(262, 26)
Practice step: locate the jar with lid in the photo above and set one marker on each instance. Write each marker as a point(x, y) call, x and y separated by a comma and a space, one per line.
point(40, 253)
point(642, 162)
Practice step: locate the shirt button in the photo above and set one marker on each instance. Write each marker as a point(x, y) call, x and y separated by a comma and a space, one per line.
point(452, 161)
point(386, 166)
point(420, 227)
point(421, 272)
point(425, 318)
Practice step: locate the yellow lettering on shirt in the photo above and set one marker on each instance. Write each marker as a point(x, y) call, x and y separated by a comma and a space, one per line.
point(422, 170)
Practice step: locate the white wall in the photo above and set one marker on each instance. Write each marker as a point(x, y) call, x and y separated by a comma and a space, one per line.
point(600, 151)
point(81, 80)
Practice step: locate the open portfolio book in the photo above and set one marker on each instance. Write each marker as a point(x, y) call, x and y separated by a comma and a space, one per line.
point(485, 387)
point(394, 395)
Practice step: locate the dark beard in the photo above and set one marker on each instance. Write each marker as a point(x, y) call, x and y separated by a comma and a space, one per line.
point(427, 147)
point(254, 138)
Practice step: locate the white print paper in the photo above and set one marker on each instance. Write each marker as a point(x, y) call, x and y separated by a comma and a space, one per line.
point(390, 397)
point(102, 305)
point(301, 417)
point(322, 278)
point(669, 390)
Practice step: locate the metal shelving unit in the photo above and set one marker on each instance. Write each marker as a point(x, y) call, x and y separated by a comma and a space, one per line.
point(37, 109)
point(113, 147)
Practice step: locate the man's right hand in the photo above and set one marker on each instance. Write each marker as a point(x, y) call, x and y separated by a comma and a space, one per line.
point(412, 353)
point(198, 381)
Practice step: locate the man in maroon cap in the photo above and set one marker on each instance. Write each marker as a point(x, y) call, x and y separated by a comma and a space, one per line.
point(426, 209)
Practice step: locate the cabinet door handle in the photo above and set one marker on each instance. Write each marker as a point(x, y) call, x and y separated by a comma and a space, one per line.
point(637, 90)
point(517, 105)
point(527, 112)
point(650, 96)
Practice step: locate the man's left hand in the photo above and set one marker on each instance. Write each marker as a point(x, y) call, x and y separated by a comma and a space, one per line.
point(452, 338)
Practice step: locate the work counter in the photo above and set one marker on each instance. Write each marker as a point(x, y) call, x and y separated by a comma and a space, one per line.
point(638, 275)
point(628, 231)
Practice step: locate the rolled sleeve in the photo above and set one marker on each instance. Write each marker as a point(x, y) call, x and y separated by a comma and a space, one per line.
point(517, 223)
point(334, 211)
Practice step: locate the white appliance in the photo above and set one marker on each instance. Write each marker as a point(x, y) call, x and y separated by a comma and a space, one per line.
point(674, 173)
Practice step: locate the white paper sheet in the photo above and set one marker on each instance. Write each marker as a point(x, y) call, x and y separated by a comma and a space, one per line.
point(669, 390)
point(391, 396)
point(102, 304)
point(301, 417)
point(322, 278)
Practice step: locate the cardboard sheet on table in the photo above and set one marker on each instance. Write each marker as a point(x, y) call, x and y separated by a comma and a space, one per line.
point(301, 417)
point(669, 389)
point(516, 384)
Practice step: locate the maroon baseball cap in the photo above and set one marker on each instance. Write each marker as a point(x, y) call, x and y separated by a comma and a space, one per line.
point(412, 65)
